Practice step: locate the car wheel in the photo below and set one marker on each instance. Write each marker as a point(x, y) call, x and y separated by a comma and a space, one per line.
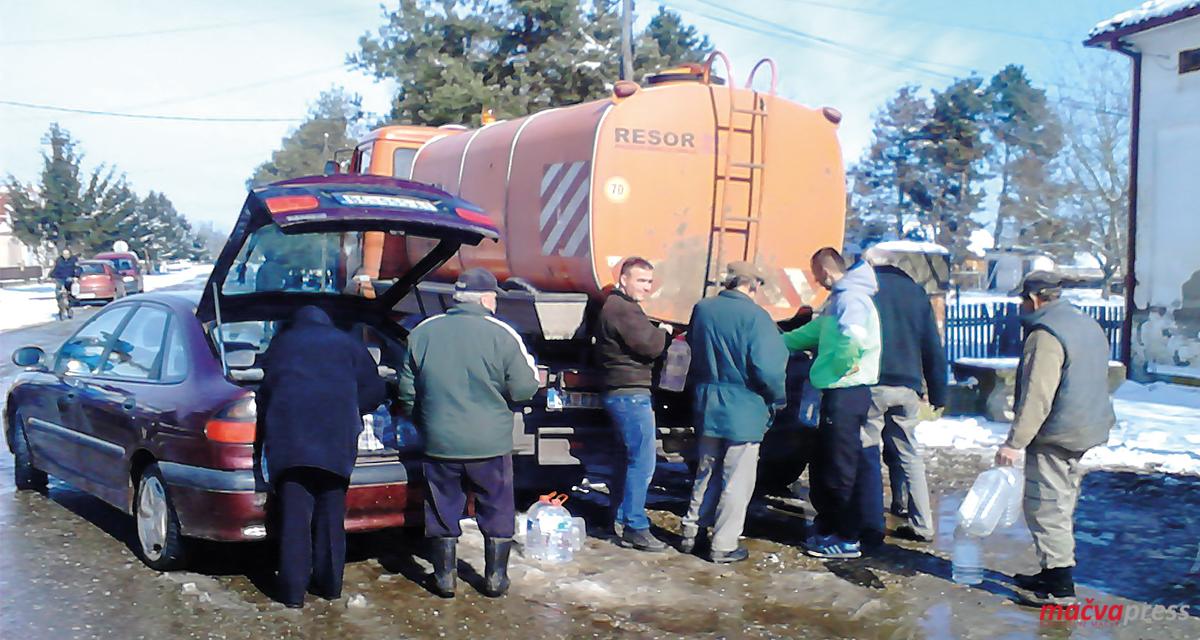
point(25, 475)
point(160, 543)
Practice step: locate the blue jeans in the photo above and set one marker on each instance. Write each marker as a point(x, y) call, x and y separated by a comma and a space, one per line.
point(633, 417)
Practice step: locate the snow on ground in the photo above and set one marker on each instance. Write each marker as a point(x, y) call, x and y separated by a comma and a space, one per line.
point(30, 304)
point(1158, 428)
point(1080, 297)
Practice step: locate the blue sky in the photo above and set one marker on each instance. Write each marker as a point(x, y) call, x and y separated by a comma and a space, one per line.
point(268, 59)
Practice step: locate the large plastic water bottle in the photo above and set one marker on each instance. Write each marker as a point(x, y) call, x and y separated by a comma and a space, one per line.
point(988, 501)
point(1013, 512)
point(551, 534)
point(967, 563)
point(675, 369)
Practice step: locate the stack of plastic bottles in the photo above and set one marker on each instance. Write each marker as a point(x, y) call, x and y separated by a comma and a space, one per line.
point(551, 534)
point(993, 501)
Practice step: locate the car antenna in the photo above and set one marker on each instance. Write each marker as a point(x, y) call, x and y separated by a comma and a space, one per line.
point(220, 334)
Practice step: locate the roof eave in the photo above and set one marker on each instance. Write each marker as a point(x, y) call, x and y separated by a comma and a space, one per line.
point(1110, 39)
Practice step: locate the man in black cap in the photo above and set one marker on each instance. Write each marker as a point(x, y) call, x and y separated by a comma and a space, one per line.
point(318, 382)
point(1062, 409)
point(462, 371)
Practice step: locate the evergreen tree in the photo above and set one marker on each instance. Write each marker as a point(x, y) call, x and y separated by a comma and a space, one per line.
point(949, 190)
point(453, 59)
point(303, 152)
point(1027, 136)
point(890, 168)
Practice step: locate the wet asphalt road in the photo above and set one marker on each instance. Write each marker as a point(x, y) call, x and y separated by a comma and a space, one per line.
point(67, 570)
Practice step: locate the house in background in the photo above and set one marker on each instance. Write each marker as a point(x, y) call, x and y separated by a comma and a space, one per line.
point(17, 261)
point(1005, 268)
point(1162, 38)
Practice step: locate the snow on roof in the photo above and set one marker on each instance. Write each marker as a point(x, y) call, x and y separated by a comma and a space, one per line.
point(911, 246)
point(1150, 10)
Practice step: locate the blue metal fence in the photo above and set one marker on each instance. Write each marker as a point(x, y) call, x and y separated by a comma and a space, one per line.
point(993, 330)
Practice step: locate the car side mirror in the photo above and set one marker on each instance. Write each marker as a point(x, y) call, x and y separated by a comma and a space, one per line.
point(30, 358)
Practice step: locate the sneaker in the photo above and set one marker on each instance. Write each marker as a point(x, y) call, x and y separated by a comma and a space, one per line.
point(642, 540)
point(726, 557)
point(906, 532)
point(832, 548)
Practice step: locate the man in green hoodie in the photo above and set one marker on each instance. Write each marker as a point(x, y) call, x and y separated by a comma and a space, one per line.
point(462, 370)
point(846, 338)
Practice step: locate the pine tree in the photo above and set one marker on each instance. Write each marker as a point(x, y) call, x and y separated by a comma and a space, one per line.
point(890, 168)
point(453, 59)
point(303, 152)
point(1027, 136)
point(949, 190)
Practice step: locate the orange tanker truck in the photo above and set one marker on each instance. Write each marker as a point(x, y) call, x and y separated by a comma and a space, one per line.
point(688, 171)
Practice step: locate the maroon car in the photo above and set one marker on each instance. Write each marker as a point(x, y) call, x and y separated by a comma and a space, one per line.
point(127, 267)
point(97, 280)
point(150, 405)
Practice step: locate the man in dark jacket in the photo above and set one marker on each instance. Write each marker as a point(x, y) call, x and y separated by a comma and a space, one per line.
point(462, 370)
point(627, 345)
point(738, 374)
point(65, 267)
point(912, 361)
point(318, 382)
point(1062, 409)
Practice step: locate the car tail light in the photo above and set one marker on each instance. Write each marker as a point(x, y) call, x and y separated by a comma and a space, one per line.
point(473, 216)
point(234, 424)
point(284, 204)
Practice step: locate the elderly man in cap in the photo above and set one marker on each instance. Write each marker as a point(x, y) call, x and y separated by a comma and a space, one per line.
point(738, 375)
point(1062, 409)
point(462, 371)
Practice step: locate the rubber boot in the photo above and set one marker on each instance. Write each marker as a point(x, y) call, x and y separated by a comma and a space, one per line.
point(445, 570)
point(495, 558)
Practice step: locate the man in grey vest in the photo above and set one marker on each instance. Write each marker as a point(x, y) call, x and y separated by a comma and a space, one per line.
point(1062, 409)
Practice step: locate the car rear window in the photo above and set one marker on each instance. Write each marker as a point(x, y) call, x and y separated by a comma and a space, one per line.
point(123, 264)
point(329, 262)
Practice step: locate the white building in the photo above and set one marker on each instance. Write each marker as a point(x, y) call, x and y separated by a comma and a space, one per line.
point(13, 252)
point(1162, 37)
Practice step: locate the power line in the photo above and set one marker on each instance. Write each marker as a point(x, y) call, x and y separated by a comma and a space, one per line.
point(159, 32)
point(952, 25)
point(237, 88)
point(140, 116)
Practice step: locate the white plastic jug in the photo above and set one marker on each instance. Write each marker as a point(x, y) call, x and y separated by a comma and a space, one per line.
point(1015, 499)
point(675, 369)
point(551, 534)
point(988, 501)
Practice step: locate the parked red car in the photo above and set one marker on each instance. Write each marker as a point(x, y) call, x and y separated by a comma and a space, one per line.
point(150, 405)
point(128, 267)
point(97, 280)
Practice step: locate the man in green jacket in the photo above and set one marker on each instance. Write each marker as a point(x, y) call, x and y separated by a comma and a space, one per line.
point(846, 338)
point(738, 374)
point(462, 370)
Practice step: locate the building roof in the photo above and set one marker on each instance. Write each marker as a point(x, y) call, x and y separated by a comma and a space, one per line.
point(1151, 14)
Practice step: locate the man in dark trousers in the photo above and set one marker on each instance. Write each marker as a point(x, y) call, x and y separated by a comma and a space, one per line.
point(913, 361)
point(1062, 409)
point(318, 382)
point(627, 346)
point(462, 371)
point(737, 376)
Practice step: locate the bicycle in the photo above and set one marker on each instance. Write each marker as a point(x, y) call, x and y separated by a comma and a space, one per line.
point(62, 295)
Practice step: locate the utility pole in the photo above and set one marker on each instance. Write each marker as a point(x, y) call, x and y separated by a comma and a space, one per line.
point(626, 39)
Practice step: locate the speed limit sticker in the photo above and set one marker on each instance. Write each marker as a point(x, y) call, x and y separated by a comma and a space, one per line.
point(617, 189)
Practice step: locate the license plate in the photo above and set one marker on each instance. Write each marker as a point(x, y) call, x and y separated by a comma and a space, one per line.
point(86, 296)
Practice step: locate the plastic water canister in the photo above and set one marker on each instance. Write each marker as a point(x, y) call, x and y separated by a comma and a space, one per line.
point(551, 534)
point(675, 370)
point(1013, 512)
point(989, 499)
point(966, 560)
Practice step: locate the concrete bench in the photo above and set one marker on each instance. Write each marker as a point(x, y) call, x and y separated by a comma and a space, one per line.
point(995, 382)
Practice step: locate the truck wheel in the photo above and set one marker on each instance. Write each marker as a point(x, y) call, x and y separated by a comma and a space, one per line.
point(160, 543)
point(25, 475)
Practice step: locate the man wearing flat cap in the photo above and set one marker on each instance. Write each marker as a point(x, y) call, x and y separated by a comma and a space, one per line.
point(738, 375)
point(462, 371)
point(1062, 409)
